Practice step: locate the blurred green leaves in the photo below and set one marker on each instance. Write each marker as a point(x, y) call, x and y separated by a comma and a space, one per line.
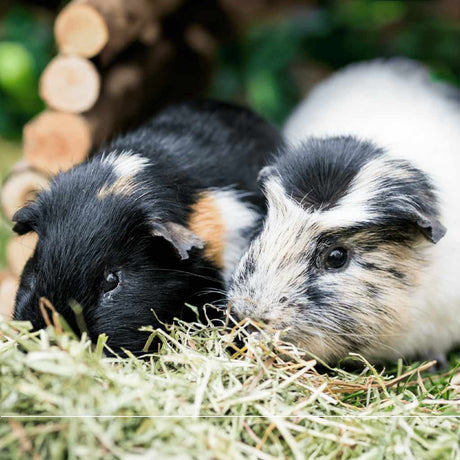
point(256, 69)
point(259, 67)
point(267, 56)
point(26, 45)
point(373, 14)
point(16, 71)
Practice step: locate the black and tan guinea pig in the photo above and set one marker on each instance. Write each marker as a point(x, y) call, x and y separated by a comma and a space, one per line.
point(354, 254)
point(150, 223)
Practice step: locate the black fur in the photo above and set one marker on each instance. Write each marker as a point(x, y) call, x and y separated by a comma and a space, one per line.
point(191, 147)
point(320, 171)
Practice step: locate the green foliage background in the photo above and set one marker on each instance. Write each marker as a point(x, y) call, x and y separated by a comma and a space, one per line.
point(26, 46)
point(260, 67)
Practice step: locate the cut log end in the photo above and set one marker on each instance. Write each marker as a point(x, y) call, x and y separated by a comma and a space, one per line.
point(9, 285)
point(19, 250)
point(81, 29)
point(70, 83)
point(20, 188)
point(56, 141)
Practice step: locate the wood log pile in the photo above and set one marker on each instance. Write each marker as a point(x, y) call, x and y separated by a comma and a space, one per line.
point(118, 62)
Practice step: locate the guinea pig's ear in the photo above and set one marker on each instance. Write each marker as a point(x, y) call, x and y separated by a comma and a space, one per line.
point(25, 220)
point(265, 173)
point(179, 236)
point(430, 226)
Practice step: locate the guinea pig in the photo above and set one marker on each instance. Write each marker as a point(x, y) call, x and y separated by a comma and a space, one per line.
point(147, 224)
point(354, 255)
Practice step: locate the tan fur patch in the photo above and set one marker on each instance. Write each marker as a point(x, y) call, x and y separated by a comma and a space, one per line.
point(122, 186)
point(206, 221)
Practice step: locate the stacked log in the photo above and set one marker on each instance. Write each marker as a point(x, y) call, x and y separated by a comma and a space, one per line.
point(91, 27)
point(70, 84)
point(20, 187)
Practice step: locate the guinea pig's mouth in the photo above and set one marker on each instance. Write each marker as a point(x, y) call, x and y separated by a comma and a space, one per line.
point(253, 325)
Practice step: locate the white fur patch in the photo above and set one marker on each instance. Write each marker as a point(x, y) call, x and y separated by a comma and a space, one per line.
point(238, 217)
point(350, 209)
point(354, 207)
point(126, 163)
point(286, 236)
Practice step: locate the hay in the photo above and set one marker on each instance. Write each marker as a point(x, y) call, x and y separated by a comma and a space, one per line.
point(201, 395)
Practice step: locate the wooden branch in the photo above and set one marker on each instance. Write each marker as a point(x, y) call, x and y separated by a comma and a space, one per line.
point(90, 27)
point(19, 250)
point(70, 84)
point(21, 187)
point(9, 285)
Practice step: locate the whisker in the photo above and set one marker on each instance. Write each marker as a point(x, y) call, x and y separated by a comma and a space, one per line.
point(213, 291)
point(185, 272)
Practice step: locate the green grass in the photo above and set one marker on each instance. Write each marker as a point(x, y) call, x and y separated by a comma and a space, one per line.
point(202, 396)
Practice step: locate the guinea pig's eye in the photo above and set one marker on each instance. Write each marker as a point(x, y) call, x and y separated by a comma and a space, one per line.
point(111, 281)
point(336, 258)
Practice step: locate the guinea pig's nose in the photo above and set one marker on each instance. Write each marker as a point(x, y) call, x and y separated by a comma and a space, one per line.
point(241, 308)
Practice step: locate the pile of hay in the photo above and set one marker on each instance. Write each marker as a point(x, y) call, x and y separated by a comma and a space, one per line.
point(206, 395)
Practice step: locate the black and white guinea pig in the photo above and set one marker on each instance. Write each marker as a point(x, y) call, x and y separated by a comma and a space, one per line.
point(354, 254)
point(148, 224)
